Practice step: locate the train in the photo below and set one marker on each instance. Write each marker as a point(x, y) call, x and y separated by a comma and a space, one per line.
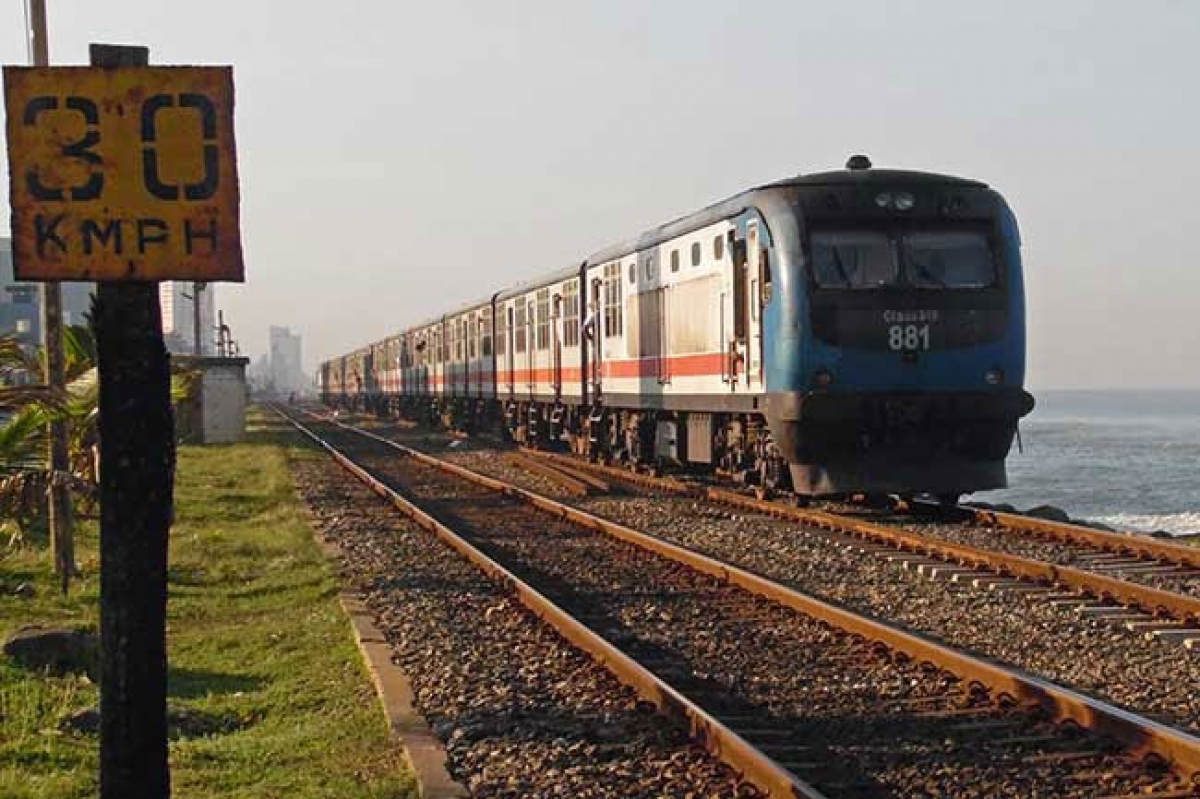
point(859, 331)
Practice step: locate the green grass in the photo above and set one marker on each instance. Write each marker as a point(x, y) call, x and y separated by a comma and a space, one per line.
point(257, 642)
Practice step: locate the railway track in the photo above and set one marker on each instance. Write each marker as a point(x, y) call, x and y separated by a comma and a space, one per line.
point(823, 702)
point(996, 555)
point(1137, 660)
point(1136, 558)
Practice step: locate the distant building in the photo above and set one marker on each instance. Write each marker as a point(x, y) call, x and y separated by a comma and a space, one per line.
point(177, 299)
point(284, 372)
point(21, 303)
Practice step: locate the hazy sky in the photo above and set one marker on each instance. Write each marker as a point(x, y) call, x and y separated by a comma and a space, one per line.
point(398, 158)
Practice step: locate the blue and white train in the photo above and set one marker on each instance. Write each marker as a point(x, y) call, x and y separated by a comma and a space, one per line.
point(853, 331)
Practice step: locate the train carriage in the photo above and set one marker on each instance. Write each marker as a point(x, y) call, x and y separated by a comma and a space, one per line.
point(859, 330)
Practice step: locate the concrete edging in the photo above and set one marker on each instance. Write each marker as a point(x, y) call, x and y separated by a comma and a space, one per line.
point(423, 752)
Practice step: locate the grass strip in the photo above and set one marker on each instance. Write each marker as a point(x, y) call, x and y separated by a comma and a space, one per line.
point(263, 665)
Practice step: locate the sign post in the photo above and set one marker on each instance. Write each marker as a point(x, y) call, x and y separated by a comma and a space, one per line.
point(126, 174)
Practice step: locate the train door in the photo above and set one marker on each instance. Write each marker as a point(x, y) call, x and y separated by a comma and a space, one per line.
point(473, 382)
point(752, 277)
point(510, 347)
point(401, 363)
point(424, 349)
point(733, 315)
point(440, 384)
point(594, 334)
point(527, 325)
point(664, 348)
point(556, 345)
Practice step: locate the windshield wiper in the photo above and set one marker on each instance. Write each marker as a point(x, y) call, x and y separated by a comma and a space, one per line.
point(841, 268)
point(922, 270)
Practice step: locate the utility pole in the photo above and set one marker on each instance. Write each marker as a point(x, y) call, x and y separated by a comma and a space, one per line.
point(62, 539)
point(197, 345)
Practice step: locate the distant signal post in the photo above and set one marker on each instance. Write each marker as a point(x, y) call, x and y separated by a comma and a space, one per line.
point(126, 174)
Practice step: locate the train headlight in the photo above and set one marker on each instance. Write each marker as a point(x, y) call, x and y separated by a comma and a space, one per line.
point(883, 200)
point(994, 376)
point(823, 378)
point(904, 201)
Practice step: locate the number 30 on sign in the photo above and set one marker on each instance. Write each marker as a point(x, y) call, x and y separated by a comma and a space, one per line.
point(123, 174)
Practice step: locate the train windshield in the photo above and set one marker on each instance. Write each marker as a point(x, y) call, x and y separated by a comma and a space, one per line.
point(930, 259)
point(853, 259)
point(949, 259)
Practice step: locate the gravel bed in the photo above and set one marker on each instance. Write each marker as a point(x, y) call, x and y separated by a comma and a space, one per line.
point(523, 713)
point(870, 724)
point(1098, 658)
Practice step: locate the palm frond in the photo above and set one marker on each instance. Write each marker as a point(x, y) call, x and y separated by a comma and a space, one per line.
point(79, 351)
point(16, 356)
point(23, 439)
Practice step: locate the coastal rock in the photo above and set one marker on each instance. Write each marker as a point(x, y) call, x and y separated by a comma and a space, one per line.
point(1049, 513)
point(54, 649)
point(998, 507)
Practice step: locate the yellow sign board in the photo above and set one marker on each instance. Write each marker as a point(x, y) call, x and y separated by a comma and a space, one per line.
point(127, 173)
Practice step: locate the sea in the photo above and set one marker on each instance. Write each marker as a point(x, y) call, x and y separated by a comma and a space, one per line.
point(1129, 459)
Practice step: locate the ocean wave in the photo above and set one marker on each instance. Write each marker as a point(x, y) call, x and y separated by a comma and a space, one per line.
point(1174, 523)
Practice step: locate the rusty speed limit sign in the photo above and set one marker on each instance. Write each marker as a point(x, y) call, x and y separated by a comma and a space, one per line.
point(123, 174)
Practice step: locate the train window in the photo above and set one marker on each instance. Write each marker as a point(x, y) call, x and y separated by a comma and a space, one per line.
point(571, 313)
point(852, 259)
point(613, 312)
point(718, 247)
point(651, 270)
point(948, 260)
point(765, 263)
point(472, 336)
point(696, 254)
point(632, 272)
point(543, 319)
point(520, 324)
point(674, 260)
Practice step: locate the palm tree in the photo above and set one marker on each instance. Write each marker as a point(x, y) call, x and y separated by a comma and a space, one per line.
point(25, 474)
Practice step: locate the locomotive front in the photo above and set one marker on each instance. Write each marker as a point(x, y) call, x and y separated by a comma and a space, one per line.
point(906, 290)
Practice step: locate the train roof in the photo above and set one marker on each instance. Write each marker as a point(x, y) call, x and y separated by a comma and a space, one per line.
point(732, 206)
point(850, 177)
point(860, 173)
point(564, 273)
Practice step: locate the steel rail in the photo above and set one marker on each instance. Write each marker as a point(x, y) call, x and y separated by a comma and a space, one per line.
point(720, 741)
point(1143, 546)
point(603, 486)
point(568, 481)
point(1155, 601)
point(1138, 735)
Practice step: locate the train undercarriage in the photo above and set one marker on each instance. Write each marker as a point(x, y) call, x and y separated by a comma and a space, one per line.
point(929, 453)
point(735, 445)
